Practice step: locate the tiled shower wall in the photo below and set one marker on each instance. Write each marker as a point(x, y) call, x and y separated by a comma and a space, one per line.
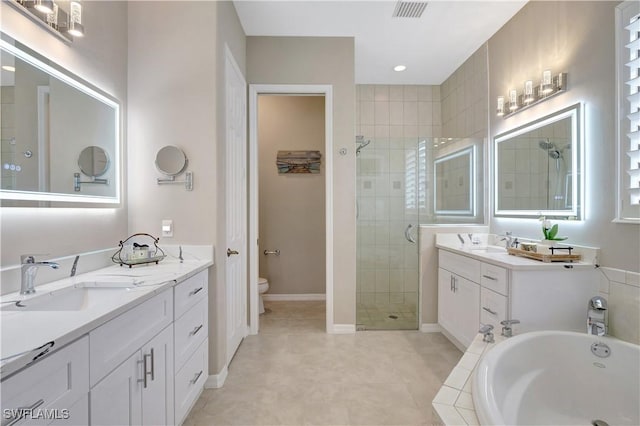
point(394, 118)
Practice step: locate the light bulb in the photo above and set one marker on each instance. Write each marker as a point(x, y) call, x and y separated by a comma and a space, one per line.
point(528, 92)
point(500, 108)
point(547, 84)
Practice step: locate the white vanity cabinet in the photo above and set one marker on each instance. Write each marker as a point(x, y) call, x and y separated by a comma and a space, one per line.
point(191, 329)
point(472, 293)
point(54, 389)
point(458, 296)
point(140, 389)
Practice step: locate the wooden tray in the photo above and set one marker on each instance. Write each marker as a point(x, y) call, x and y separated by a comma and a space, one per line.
point(544, 257)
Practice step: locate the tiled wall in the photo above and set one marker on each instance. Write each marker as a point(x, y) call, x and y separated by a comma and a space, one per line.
point(464, 99)
point(621, 289)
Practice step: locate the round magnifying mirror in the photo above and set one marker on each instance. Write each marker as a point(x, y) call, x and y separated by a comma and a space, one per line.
point(93, 161)
point(171, 161)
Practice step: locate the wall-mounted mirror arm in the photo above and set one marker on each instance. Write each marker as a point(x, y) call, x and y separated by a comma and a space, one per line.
point(188, 181)
point(77, 182)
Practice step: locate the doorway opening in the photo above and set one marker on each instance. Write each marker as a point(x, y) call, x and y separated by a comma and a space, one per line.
point(290, 196)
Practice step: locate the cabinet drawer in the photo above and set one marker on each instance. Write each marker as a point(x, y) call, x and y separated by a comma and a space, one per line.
point(494, 278)
point(190, 380)
point(56, 382)
point(190, 291)
point(190, 330)
point(460, 265)
point(118, 339)
point(493, 308)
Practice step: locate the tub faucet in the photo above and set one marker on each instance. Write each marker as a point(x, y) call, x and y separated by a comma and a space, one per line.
point(29, 268)
point(595, 316)
point(507, 331)
point(487, 331)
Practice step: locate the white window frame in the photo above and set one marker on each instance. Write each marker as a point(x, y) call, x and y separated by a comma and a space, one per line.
point(625, 211)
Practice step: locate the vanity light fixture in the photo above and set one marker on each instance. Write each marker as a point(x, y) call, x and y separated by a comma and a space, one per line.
point(75, 28)
point(44, 6)
point(500, 108)
point(550, 85)
point(62, 19)
point(513, 100)
point(400, 68)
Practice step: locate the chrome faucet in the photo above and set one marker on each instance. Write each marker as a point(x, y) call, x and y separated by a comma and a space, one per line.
point(595, 316)
point(507, 331)
point(29, 268)
point(510, 240)
point(487, 332)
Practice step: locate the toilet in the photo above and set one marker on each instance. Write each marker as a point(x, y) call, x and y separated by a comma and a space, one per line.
point(263, 286)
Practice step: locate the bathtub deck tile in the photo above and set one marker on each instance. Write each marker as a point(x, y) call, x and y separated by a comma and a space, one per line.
point(469, 361)
point(465, 401)
point(449, 415)
point(446, 396)
point(469, 416)
point(458, 377)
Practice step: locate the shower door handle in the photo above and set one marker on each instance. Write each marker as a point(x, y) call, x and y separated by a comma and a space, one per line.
point(407, 234)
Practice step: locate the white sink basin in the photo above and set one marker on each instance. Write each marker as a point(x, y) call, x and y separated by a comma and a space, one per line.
point(77, 298)
point(489, 249)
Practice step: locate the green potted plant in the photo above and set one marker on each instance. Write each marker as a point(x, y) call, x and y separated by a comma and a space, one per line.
point(549, 231)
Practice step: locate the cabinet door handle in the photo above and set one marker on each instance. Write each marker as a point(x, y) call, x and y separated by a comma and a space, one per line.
point(145, 371)
point(20, 412)
point(451, 283)
point(153, 365)
point(195, 379)
point(489, 310)
point(196, 291)
point(490, 278)
point(195, 330)
point(455, 284)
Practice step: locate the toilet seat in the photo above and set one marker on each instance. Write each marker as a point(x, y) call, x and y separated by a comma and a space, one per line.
point(263, 286)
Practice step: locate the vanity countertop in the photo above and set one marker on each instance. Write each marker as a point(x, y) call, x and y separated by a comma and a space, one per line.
point(498, 256)
point(25, 335)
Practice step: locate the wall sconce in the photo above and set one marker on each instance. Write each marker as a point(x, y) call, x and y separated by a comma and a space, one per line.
point(48, 14)
point(550, 86)
point(500, 108)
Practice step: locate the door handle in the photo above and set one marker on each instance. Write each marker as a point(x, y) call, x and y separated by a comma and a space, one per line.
point(230, 252)
point(407, 234)
point(268, 252)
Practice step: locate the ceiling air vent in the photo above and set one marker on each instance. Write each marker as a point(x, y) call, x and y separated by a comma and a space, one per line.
point(409, 9)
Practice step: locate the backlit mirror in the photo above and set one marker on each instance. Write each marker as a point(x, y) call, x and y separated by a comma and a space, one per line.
point(538, 167)
point(171, 161)
point(454, 188)
point(93, 161)
point(49, 117)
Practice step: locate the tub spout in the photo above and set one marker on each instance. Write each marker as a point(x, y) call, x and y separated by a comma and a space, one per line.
point(595, 316)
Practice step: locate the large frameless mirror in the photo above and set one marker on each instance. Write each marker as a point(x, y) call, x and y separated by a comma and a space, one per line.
point(538, 167)
point(54, 125)
point(454, 186)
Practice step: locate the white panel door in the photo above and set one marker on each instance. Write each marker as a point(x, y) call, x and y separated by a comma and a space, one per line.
point(236, 204)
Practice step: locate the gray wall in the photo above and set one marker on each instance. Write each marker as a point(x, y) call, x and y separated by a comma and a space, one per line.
point(176, 98)
point(311, 60)
point(101, 59)
point(578, 38)
point(292, 206)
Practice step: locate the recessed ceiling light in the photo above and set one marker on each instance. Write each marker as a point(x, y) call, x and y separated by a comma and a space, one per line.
point(399, 68)
point(9, 68)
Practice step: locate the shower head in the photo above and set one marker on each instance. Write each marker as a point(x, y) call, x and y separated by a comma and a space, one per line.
point(546, 144)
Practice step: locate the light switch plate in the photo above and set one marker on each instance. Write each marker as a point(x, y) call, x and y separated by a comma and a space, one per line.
point(167, 228)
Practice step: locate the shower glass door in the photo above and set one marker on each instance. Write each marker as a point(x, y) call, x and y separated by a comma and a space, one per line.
point(391, 196)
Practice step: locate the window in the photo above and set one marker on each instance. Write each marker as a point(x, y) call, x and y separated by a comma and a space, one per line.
point(628, 101)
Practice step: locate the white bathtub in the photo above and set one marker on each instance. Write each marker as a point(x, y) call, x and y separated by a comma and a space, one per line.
point(553, 378)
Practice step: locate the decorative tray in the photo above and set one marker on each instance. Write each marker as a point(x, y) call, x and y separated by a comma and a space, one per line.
point(544, 257)
point(133, 253)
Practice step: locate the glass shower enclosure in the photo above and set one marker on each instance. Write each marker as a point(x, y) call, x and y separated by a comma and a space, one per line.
point(401, 184)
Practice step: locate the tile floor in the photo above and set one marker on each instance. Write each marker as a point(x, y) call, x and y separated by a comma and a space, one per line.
point(293, 373)
point(389, 316)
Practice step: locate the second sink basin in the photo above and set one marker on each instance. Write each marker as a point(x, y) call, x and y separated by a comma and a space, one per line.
point(79, 297)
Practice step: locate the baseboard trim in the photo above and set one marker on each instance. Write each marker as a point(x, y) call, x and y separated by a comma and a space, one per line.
point(430, 328)
point(215, 381)
point(293, 297)
point(342, 329)
point(453, 340)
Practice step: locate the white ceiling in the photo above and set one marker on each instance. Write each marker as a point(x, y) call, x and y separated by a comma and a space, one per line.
point(432, 47)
